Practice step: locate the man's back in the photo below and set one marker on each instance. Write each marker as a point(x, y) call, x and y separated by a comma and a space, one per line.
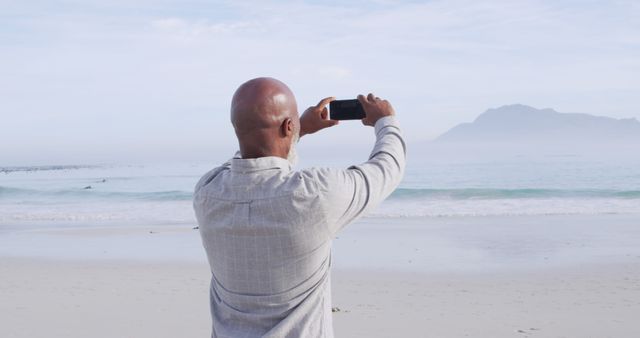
point(268, 243)
point(267, 230)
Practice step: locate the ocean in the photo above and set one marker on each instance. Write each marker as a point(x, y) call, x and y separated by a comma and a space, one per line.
point(161, 193)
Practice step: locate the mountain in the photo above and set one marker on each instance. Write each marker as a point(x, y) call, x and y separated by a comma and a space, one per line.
point(520, 125)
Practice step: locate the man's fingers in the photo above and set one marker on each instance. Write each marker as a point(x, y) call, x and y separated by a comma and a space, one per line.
point(325, 101)
point(324, 114)
point(363, 100)
point(369, 99)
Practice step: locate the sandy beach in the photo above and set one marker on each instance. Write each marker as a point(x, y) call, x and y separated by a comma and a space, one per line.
point(43, 298)
point(569, 276)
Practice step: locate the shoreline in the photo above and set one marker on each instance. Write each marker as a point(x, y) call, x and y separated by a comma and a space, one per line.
point(432, 245)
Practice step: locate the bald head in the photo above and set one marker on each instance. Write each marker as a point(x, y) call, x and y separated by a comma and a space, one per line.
point(264, 115)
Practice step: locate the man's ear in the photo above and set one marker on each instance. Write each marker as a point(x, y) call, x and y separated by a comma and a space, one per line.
point(287, 127)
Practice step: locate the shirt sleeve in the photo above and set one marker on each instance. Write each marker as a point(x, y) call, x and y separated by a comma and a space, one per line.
point(350, 193)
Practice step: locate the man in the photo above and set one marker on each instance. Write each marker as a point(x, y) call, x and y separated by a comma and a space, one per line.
point(267, 229)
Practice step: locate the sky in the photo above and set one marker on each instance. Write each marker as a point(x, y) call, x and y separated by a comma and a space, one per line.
point(114, 80)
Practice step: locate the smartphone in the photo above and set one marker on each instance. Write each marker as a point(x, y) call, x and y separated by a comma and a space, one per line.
point(346, 110)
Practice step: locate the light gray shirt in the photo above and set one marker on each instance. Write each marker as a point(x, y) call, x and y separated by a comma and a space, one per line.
point(267, 231)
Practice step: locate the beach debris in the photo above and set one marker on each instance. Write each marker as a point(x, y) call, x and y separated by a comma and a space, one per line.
point(87, 187)
point(335, 309)
point(525, 331)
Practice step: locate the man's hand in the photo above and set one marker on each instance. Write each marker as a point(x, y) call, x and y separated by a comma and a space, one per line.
point(375, 108)
point(316, 118)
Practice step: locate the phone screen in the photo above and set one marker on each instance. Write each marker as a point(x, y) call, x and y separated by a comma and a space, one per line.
point(346, 110)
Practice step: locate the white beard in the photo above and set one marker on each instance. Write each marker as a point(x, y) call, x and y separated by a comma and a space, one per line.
point(292, 157)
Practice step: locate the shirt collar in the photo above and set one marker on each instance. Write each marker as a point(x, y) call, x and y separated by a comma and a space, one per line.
point(246, 165)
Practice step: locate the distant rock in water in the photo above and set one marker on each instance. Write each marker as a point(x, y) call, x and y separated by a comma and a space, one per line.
point(523, 125)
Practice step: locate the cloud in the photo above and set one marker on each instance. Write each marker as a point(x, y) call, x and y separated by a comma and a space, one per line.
point(170, 24)
point(200, 28)
point(323, 71)
point(117, 71)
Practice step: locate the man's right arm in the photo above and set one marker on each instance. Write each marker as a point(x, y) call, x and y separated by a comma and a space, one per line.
point(351, 192)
